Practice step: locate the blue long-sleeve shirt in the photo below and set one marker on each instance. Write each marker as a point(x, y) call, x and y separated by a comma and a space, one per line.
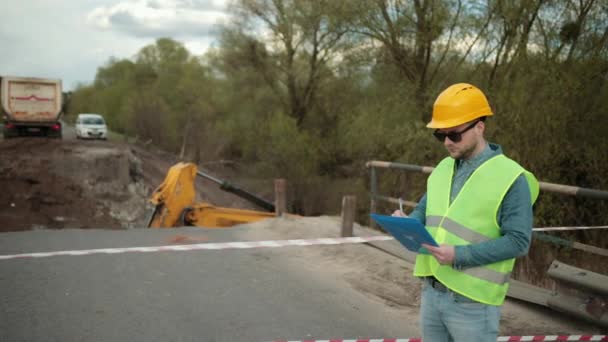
point(514, 217)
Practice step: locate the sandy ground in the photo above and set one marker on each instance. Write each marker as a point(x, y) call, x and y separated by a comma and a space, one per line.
point(389, 279)
point(55, 184)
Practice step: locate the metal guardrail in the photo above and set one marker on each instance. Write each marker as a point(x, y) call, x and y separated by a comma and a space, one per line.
point(545, 186)
point(589, 301)
point(551, 187)
point(592, 289)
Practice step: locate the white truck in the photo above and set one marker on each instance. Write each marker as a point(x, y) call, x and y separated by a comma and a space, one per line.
point(31, 106)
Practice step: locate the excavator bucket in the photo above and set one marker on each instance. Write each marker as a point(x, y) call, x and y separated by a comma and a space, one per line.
point(173, 195)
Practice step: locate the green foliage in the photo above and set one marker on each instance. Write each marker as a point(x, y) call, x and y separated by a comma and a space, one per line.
point(556, 132)
point(284, 150)
point(108, 94)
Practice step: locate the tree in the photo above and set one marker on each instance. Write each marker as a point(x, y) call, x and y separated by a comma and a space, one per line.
point(407, 30)
point(303, 38)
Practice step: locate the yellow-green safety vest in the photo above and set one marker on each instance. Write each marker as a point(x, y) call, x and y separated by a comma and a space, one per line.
point(471, 218)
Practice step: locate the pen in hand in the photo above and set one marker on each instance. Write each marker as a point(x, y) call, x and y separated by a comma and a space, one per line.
point(400, 212)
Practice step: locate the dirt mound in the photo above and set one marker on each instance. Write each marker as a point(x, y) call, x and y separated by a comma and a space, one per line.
point(55, 184)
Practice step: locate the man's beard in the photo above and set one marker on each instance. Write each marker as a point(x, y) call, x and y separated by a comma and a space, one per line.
point(466, 153)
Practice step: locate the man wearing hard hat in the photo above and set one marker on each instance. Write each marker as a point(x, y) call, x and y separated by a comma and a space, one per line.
point(478, 208)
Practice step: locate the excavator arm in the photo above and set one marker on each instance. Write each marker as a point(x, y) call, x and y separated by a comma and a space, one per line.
point(175, 205)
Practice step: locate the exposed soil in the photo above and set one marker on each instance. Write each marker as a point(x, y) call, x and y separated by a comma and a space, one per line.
point(48, 183)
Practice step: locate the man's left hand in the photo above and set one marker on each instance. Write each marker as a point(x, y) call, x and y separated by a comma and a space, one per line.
point(444, 253)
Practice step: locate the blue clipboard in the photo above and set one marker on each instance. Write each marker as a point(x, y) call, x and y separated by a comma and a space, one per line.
point(410, 232)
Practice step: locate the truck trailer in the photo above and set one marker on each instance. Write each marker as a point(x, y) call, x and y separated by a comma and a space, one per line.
point(31, 106)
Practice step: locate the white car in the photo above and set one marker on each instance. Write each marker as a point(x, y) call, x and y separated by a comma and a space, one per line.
point(91, 126)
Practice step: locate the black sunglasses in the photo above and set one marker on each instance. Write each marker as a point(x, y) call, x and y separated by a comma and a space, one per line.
point(453, 136)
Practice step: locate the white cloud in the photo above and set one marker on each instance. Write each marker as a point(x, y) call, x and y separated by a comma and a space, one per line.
point(154, 18)
point(70, 39)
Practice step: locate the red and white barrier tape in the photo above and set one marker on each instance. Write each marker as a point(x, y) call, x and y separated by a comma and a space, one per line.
point(359, 340)
point(199, 246)
point(553, 338)
point(538, 338)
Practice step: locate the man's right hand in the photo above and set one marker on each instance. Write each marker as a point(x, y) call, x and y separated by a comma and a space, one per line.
point(399, 213)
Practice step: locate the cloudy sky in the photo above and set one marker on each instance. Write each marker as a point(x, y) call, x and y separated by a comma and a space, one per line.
point(70, 39)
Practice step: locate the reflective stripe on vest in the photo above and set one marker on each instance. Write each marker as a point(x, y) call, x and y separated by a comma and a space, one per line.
point(456, 228)
point(471, 218)
point(488, 275)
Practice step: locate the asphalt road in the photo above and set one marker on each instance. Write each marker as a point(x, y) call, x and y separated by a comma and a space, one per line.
point(221, 295)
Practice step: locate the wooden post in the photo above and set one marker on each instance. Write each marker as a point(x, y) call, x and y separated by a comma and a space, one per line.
point(349, 204)
point(374, 192)
point(280, 203)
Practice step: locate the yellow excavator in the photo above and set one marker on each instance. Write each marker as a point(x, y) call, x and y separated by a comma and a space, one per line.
point(175, 206)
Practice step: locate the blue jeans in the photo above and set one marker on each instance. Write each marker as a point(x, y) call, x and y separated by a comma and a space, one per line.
point(449, 317)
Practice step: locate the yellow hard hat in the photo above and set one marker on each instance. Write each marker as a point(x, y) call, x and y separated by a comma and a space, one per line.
point(459, 103)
